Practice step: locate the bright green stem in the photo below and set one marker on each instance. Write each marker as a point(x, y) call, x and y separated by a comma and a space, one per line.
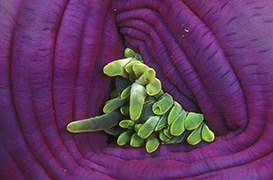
point(97, 123)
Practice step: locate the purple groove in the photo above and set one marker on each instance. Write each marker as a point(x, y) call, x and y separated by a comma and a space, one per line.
point(211, 56)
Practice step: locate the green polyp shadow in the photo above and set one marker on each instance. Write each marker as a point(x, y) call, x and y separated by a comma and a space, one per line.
point(138, 95)
point(167, 132)
point(159, 94)
point(124, 110)
point(176, 139)
point(138, 57)
point(163, 105)
point(114, 94)
point(147, 111)
point(97, 123)
point(163, 137)
point(137, 127)
point(162, 123)
point(121, 84)
point(114, 131)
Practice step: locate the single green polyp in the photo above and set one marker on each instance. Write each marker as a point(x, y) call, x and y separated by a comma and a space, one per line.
point(116, 68)
point(153, 87)
point(152, 143)
point(148, 127)
point(126, 92)
point(138, 95)
point(175, 111)
point(124, 137)
point(207, 134)
point(146, 77)
point(139, 69)
point(163, 105)
point(140, 113)
point(129, 53)
point(195, 137)
point(136, 141)
point(97, 123)
point(126, 123)
point(177, 127)
point(114, 104)
point(193, 120)
point(129, 67)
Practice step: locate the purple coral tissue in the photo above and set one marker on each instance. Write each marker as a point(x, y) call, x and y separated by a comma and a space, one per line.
point(214, 57)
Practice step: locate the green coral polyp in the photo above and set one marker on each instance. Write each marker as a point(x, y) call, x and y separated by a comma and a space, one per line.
point(116, 68)
point(140, 113)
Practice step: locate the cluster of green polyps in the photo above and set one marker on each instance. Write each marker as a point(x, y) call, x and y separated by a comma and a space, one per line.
point(140, 112)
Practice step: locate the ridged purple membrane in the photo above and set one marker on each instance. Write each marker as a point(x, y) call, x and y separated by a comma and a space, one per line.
point(213, 57)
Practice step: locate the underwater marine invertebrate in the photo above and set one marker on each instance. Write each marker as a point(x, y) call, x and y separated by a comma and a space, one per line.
point(142, 125)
